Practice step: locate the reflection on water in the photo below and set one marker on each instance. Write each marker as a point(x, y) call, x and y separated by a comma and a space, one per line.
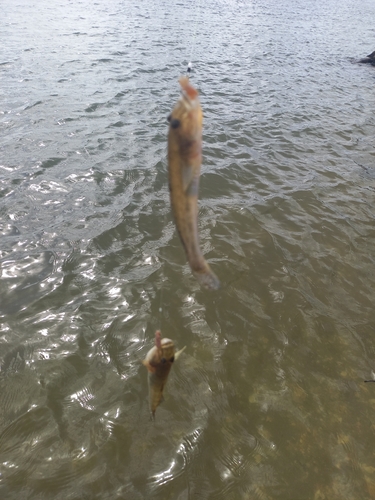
point(268, 400)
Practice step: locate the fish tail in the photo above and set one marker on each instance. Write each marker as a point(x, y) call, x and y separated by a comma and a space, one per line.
point(207, 278)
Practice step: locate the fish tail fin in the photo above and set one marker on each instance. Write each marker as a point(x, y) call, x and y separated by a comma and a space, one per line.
point(207, 278)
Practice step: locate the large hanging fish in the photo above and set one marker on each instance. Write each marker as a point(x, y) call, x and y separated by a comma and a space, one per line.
point(159, 362)
point(184, 163)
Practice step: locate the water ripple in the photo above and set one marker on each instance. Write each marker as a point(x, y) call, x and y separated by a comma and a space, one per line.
point(267, 399)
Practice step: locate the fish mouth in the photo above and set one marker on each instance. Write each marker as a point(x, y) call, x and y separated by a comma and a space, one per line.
point(187, 101)
point(166, 343)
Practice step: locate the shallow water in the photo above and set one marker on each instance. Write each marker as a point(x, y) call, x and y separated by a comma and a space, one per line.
point(268, 399)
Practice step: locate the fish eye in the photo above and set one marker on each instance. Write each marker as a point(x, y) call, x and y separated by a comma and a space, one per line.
point(172, 359)
point(163, 360)
point(175, 123)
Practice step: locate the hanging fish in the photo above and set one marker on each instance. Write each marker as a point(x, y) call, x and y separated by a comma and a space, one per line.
point(184, 163)
point(159, 362)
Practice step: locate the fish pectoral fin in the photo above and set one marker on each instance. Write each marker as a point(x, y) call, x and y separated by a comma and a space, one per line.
point(149, 367)
point(177, 355)
point(187, 177)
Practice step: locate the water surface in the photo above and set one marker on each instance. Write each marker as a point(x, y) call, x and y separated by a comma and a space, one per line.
point(268, 399)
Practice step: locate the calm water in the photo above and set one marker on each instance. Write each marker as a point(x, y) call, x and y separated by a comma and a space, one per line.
point(268, 400)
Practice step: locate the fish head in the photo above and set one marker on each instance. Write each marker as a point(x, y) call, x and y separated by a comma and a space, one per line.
point(161, 357)
point(186, 118)
point(167, 351)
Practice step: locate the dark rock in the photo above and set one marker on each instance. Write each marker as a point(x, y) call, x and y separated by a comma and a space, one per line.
point(370, 59)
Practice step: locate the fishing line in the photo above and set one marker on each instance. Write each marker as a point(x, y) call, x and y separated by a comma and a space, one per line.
point(188, 71)
point(192, 50)
point(161, 288)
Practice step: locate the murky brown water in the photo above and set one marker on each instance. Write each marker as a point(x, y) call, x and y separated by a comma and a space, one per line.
point(268, 400)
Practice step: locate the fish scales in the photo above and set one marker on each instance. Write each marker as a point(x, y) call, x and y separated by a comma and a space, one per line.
point(159, 362)
point(184, 164)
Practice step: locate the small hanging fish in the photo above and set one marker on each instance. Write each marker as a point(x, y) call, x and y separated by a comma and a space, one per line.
point(159, 362)
point(184, 164)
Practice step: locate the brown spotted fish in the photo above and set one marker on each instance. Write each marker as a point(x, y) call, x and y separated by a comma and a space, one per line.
point(159, 362)
point(184, 164)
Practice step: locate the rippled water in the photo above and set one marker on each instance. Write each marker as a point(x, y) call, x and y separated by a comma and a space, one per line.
point(268, 399)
